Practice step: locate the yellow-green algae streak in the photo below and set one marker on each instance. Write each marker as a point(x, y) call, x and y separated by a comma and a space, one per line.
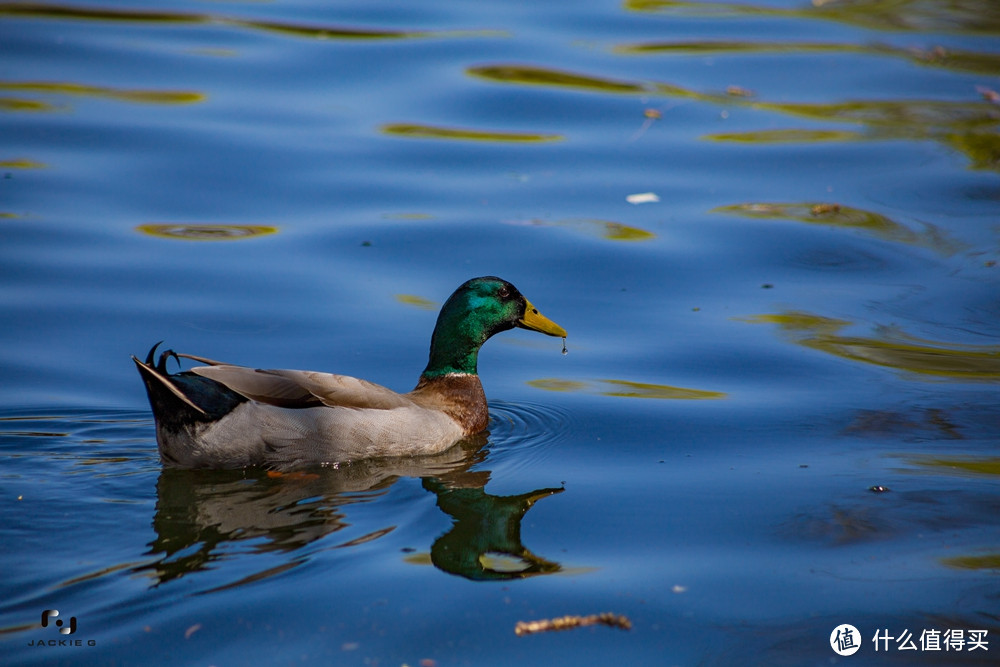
point(416, 301)
point(981, 466)
point(418, 131)
point(22, 163)
point(791, 135)
point(606, 229)
point(848, 217)
point(969, 126)
point(207, 232)
point(107, 92)
point(958, 60)
point(305, 30)
point(543, 76)
point(893, 348)
point(970, 16)
point(983, 562)
point(625, 389)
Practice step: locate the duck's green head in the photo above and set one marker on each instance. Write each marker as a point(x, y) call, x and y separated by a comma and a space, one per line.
point(477, 310)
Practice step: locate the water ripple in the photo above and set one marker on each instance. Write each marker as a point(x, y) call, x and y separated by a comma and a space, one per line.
point(117, 442)
point(527, 430)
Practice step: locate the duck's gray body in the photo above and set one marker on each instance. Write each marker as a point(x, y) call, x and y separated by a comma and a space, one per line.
point(223, 416)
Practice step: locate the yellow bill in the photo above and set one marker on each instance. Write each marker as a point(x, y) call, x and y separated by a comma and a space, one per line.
point(535, 321)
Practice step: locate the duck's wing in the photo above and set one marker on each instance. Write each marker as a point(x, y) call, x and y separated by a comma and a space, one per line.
point(302, 389)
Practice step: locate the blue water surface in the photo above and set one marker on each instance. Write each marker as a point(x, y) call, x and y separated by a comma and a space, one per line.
point(770, 229)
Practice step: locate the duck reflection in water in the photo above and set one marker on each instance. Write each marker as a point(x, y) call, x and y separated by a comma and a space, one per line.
point(199, 513)
point(484, 543)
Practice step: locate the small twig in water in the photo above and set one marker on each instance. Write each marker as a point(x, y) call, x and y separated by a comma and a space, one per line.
point(568, 622)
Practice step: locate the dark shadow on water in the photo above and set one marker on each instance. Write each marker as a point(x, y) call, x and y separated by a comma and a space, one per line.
point(200, 513)
point(882, 513)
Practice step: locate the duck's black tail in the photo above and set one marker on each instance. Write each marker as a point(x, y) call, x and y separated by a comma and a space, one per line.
point(183, 398)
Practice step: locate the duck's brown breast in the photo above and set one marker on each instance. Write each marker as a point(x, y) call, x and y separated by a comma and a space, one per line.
point(458, 395)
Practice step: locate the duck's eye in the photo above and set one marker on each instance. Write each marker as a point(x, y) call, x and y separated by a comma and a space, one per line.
point(503, 293)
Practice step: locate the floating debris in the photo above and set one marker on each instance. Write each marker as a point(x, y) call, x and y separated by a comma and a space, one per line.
point(651, 116)
point(988, 94)
point(642, 198)
point(739, 91)
point(878, 488)
point(820, 209)
point(569, 622)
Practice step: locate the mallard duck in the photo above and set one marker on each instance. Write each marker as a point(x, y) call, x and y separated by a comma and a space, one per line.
point(224, 416)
